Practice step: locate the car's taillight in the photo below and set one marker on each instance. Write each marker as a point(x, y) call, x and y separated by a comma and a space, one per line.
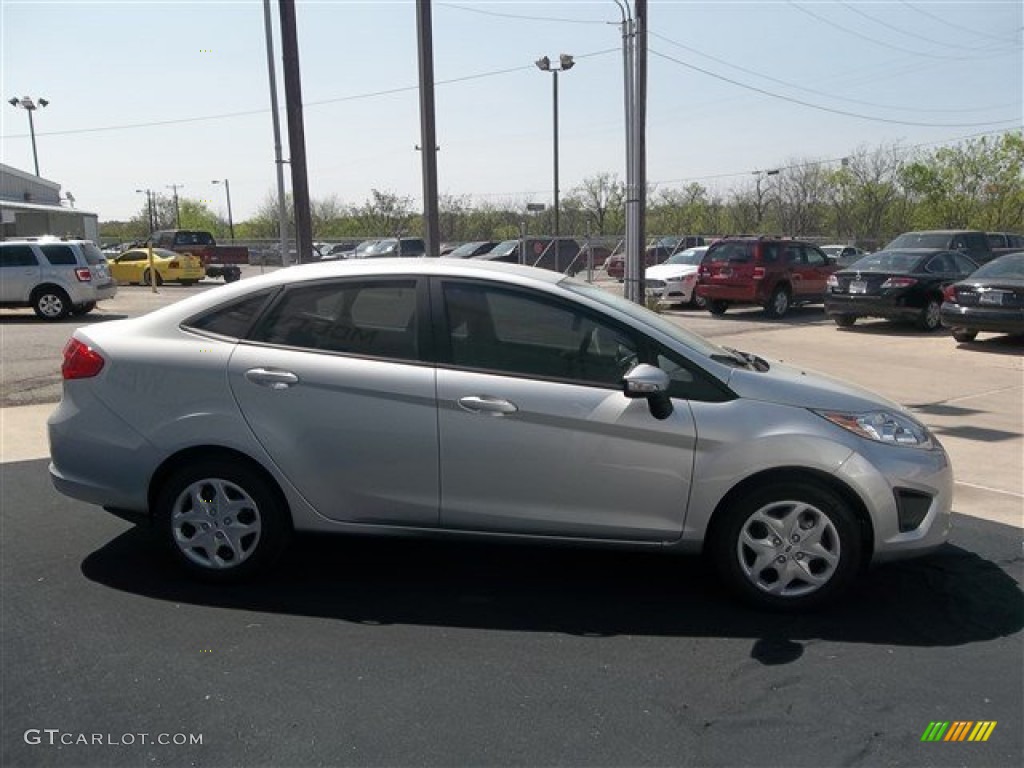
point(80, 361)
point(758, 273)
point(899, 282)
point(949, 293)
point(84, 274)
point(833, 281)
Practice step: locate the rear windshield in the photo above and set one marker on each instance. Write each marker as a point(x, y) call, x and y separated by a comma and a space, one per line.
point(193, 238)
point(1011, 265)
point(886, 261)
point(506, 248)
point(730, 252)
point(920, 240)
point(93, 254)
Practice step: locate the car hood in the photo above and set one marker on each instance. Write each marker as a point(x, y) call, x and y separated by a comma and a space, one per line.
point(663, 271)
point(789, 385)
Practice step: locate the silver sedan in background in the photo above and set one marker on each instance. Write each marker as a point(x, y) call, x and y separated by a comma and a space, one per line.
point(448, 397)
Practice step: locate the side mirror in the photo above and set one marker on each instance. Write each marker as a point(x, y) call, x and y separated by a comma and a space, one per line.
point(651, 383)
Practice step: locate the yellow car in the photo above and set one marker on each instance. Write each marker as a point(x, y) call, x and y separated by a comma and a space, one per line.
point(132, 266)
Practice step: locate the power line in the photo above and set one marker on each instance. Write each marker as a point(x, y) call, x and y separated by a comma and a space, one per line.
point(527, 18)
point(958, 27)
point(821, 108)
point(873, 41)
point(888, 26)
point(812, 90)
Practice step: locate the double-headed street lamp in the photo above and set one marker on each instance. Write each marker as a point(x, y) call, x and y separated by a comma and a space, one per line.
point(544, 65)
point(30, 106)
point(227, 189)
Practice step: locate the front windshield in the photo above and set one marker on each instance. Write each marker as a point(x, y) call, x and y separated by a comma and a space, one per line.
point(364, 246)
point(691, 340)
point(381, 246)
point(692, 256)
point(886, 261)
point(1011, 265)
point(505, 248)
point(466, 249)
point(832, 250)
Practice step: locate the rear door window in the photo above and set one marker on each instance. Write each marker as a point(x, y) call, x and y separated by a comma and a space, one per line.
point(17, 256)
point(59, 255)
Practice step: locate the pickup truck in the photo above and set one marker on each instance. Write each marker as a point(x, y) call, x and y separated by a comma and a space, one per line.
point(218, 260)
point(1005, 242)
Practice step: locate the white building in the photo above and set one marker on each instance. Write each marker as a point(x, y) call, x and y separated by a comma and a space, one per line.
point(31, 206)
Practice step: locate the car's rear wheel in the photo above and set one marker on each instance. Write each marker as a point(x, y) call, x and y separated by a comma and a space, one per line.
point(698, 302)
point(962, 334)
point(931, 316)
point(51, 303)
point(717, 306)
point(778, 304)
point(231, 275)
point(223, 521)
point(146, 277)
point(844, 321)
point(790, 546)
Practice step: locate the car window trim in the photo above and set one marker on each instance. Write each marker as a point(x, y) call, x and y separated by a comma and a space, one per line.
point(186, 324)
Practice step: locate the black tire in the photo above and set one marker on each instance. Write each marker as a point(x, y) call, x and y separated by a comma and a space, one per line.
point(717, 306)
point(963, 335)
point(844, 321)
point(779, 303)
point(234, 544)
point(231, 275)
point(83, 309)
point(51, 303)
point(145, 278)
point(698, 302)
point(931, 316)
point(792, 526)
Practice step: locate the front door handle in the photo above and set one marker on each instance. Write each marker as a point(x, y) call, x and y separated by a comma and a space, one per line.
point(272, 378)
point(484, 404)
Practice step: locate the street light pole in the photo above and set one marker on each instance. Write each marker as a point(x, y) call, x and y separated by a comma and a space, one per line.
point(149, 208)
point(30, 106)
point(231, 221)
point(544, 65)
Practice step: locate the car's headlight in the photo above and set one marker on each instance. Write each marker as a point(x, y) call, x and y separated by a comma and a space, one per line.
point(882, 426)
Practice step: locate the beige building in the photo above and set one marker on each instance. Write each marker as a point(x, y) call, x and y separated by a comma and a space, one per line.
point(31, 206)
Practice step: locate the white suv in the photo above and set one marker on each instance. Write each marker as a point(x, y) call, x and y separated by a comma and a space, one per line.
point(55, 277)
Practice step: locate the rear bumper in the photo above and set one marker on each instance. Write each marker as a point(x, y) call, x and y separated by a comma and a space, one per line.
point(988, 319)
point(894, 308)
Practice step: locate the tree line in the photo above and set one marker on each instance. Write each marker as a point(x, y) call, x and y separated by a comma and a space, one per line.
point(869, 197)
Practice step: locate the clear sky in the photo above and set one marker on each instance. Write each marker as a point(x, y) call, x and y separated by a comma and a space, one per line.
point(726, 82)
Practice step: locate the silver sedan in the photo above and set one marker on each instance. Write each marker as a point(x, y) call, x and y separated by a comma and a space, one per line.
point(445, 397)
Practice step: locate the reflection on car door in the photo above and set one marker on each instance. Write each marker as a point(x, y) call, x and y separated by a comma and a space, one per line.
point(536, 436)
point(332, 385)
point(19, 272)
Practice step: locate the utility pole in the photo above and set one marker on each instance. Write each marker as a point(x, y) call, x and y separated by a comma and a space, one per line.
point(177, 208)
point(428, 134)
point(296, 132)
point(282, 213)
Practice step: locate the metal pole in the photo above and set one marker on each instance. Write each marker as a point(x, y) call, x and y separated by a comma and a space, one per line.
point(231, 220)
point(282, 212)
point(32, 132)
point(296, 131)
point(152, 210)
point(554, 73)
point(428, 135)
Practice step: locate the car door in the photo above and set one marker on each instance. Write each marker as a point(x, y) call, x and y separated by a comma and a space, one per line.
point(332, 381)
point(127, 268)
point(535, 433)
point(809, 270)
point(19, 272)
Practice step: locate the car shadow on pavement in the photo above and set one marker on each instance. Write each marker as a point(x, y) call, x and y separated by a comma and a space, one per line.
point(995, 345)
point(803, 315)
point(92, 317)
point(949, 598)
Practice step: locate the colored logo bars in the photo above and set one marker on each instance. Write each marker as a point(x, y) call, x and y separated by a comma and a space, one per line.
point(960, 730)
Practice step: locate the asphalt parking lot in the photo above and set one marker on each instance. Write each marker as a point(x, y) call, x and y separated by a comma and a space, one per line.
point(413, 653)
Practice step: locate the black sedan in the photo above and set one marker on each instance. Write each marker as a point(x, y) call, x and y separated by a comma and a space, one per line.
point(903, 284)
point(991, 300)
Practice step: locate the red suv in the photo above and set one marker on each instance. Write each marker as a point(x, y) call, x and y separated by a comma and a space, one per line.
point(771, 271)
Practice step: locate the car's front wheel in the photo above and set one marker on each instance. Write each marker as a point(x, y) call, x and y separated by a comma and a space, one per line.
point(717, 306)
point(790, 546)
point(221, 520)
point(778, 304)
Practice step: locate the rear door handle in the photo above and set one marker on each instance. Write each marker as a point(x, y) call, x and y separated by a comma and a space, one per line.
point(272, 378)
point(484, 404)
